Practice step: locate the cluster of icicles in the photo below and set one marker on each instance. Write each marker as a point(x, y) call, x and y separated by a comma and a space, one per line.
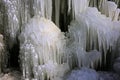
point(45, 52)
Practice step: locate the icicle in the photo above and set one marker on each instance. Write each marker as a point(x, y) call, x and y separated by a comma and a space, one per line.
point(69, 5)
point(48, 9)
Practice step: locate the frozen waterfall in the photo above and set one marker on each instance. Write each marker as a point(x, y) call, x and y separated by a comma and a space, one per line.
point(53, 37)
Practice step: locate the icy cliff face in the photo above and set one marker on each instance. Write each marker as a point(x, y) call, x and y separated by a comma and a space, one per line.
point(42, 50)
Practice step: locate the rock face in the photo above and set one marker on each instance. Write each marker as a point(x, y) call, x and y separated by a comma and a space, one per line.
point(116, 66)
point(3, 55)
point(108, 76)
point(14, 75)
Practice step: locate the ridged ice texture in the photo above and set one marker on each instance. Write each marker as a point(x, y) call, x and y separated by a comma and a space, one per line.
point(43, 8)
point(91, 31)
point(12, 27)
point(42, 50)
point(77, 6)
point(3, 55)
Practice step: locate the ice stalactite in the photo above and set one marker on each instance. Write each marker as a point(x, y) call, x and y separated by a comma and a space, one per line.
point(42, 50)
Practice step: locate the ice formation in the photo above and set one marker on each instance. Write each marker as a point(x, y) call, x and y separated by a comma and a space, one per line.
point(42, 50)
point(91, 30)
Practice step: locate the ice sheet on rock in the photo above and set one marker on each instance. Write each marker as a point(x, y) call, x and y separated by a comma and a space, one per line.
point(42, 44)
point(12, 11)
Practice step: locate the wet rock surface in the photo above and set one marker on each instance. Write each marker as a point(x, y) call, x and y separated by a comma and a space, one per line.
point(108, 76)
point(12, 75)
point(116, 66)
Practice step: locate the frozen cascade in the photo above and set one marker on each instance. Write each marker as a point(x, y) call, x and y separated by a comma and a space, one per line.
point(87, 33)
point(42, 50)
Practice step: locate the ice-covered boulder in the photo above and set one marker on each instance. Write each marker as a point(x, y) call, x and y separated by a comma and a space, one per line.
point(83, 74)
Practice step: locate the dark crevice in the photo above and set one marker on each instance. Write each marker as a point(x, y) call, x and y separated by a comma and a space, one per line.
point(13, 60)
